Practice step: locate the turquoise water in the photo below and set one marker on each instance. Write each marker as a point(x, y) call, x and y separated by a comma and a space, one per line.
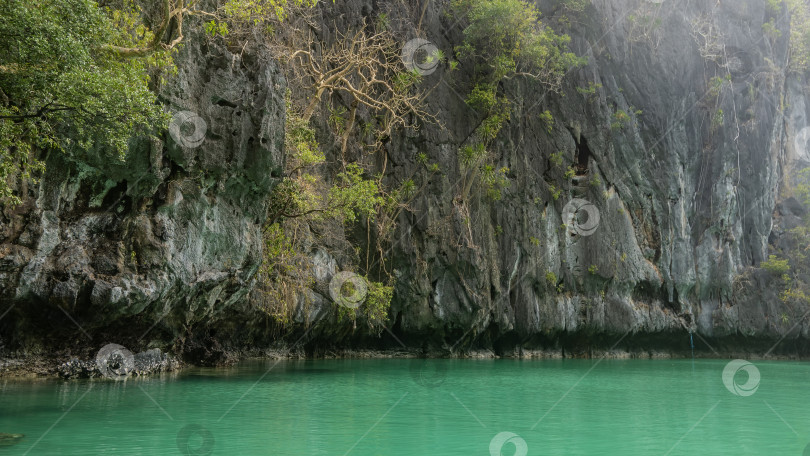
point(420, 407)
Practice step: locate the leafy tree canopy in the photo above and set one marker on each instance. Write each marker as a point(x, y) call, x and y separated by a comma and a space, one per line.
point(507, 39)
point(62, 87)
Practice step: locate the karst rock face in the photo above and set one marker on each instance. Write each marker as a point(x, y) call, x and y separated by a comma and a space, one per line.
point(172, 236)
point(686, 198)
point(676, 194)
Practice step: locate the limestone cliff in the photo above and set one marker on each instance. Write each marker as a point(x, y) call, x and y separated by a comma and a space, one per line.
point(680, 132)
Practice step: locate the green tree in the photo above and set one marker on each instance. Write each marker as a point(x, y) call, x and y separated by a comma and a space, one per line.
point(69, 83)
point(504, 39)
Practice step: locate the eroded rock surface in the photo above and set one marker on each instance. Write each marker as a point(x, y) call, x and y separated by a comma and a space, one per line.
point(166, 246)
point(168, 239)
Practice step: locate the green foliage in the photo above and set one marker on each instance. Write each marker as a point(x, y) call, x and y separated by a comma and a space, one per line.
point(474, 166)
point(378, 302)
point(547, 119)
point(556, 158)
point(799, 11)
point(353, 195)
point(551, 279)
point(802, 187)
point(282, 275)
point(555, 192)
point(302, 146)
point(382, 22)
point(62, 91)
point(494, 180)
point(775, 265)
point(770, 30)
point(621, 119)
point(534, 241)
point(374, 308)
point(592, 269)
point(644, 25)
point(215, 28)
point(716, 85)
point(795, 288)
point(484, 98)
point(471, 155)
point(794, 294)
point(575, 6)
point(590, 89)
point(336, 119)
point(506, 37)
point(570, 172)
point(717, 120)
point(405, 80)
point(303, 193)
point(256, 14)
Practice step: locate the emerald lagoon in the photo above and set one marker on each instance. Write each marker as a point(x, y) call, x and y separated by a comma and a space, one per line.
point(421, 407)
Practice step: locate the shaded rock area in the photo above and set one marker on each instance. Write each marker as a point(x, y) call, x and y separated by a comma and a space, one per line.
point(207, 352)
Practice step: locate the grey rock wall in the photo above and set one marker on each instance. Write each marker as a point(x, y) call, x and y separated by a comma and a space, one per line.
point(687, 200)
point(171, 237)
